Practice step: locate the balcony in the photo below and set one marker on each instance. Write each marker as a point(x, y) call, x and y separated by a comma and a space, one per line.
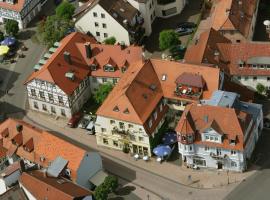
point(188, 93)
point(121, 132)
point(218, 157)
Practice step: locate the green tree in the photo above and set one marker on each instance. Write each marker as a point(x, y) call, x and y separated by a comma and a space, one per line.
point(65, 10)
point(1, 36)
point(102, 92)
point(12, 27)
point(261, 89)
point(101, 192)
point(111, 183)
point(167, 39)
point(110, 40)
point(54, 29)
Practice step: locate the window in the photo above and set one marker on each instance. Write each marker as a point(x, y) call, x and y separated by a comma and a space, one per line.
point(160, 107)
point(112, 122)
point(216, 138)
point(103, 130)
point(44, 107)
point(97, 33)
point(94, 79)
point(150, 123)
point(96, 24)
point(33, 92)
point(211, 138)
point(268, 78)
point(199, 161)
point(190, 148)
point(115, 143)
point(218, 151)
point(105, 35)
point(105, 141)
point(104, 25)
point(94, 14)
point(206, 137)
point(50, 97)
point(52, 109)
point(35, 105)
point(132, 137)
point(82, 84)
point(42, 82)
point(239, 77)
point(60, 100)
point(41, 94)
point(108, 68)
point(206, 148)
point(246, 78)
point(130, 126)
point(114, 80)
point(63, 112)
point(141, 139)
point(254, 78)
point(233, 164)
point(102, 15)
point(77, 90)
point(104, 80)
point(121, 125)
point(155, 115)
point(238, 41)
point(233, 152)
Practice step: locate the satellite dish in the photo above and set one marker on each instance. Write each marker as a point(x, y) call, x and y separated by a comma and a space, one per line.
point(266, 22)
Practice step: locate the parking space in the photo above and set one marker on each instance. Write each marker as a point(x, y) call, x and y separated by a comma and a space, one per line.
point(190, 13)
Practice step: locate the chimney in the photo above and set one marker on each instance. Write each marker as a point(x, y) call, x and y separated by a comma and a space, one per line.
point(67, 57)
point(88, 50)
point(122, 45)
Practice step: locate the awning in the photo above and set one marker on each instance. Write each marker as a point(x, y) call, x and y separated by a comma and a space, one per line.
point(37, 67)
point(42, 61)
point(98, 178)
point(47, 55)
point(52, 49)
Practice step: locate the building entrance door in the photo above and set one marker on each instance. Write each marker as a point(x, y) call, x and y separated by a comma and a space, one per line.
point(219, 165)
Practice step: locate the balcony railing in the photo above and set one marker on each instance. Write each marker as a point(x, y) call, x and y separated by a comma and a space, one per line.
point(196, 96)
point(123, 133)
point(218, 157)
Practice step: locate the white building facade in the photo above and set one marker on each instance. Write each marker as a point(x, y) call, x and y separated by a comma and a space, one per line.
point(23, 14)
point(49, 98)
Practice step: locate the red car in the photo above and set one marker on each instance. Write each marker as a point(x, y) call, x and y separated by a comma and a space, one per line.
point(72, 123)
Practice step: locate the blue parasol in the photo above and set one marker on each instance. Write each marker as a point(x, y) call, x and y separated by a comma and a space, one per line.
point(169, 138)
point(162, 150)
point(8, 41)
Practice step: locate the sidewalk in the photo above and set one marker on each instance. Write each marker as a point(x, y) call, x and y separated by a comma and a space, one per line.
point(203, 179)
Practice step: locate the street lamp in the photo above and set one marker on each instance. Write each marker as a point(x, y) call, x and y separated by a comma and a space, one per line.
point(267, 26)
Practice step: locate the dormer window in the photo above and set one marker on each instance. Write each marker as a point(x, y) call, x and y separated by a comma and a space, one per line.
point(93, 67)
point(126, 111)
point(109, 68)
point(116, 109)
point(123, 69)
point(232, 141)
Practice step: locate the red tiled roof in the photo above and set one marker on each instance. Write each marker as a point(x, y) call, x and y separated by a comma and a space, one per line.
point(44, 187)
point(242, 52)
point(204, 50)
point(45, 144)
point(224, 120)
point(56, 67)
point(17, 6)
point(133, 91)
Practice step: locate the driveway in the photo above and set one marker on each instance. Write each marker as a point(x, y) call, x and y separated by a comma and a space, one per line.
point(190, 13)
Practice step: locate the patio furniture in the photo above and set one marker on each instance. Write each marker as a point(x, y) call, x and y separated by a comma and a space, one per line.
point(169, 138)
point(4, 50)
point(136, 157)
point(8, 41)
point(162, 151)
point(145, 158)
point(159, 159)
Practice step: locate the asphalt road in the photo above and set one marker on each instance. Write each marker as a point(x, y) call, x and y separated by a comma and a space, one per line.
point(257, 185)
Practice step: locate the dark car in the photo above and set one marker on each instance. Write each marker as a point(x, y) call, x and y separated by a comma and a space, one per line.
point(186, 25)
point(183, 31)
point(74, 120)
point(266, 123)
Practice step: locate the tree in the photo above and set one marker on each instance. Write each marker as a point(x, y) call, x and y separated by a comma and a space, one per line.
point(101, 192)
point(261, 89)
point(110, 40)
point(65, 10)
point(1, 36)
point(167, 39)
point(12, 27)
point(111, 182)
point(54, 29)
point(102, 92)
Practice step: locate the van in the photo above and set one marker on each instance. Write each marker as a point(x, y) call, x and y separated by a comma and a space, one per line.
point(91, 128)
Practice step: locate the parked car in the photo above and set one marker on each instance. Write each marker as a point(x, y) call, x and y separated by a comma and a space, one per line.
point(72, 123)
point(84, 121)
point(91, 128)
point(183, 31)
point(186, 25)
